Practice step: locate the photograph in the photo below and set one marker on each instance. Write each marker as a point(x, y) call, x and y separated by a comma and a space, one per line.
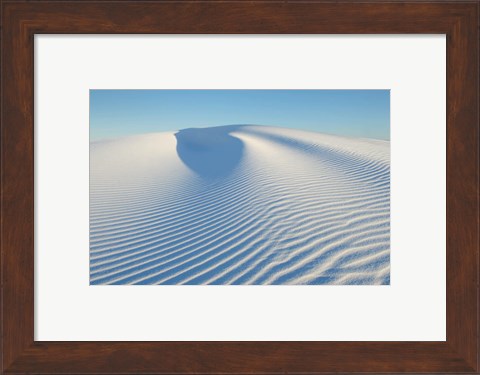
point(239, 187)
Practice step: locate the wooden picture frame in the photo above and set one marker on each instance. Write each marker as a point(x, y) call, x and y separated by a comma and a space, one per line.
point(21, 20)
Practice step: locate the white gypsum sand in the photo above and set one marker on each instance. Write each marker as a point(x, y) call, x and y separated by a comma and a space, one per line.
point(240, 205)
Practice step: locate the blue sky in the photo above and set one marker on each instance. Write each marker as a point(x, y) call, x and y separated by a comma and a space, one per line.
point(355, 113)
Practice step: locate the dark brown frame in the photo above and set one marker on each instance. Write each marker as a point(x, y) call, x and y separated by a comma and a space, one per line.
point(459, 20)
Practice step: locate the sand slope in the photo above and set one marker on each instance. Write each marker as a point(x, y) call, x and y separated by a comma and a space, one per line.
point(239, 205)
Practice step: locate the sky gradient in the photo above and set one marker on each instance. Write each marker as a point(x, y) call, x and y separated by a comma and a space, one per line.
point(353, 113)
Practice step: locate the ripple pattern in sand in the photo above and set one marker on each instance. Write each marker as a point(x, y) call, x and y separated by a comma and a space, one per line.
point(282, 206)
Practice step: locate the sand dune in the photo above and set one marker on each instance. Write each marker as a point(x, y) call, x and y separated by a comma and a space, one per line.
point(239, 205)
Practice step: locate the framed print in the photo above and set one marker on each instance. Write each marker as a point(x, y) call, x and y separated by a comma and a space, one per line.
point(229, 187)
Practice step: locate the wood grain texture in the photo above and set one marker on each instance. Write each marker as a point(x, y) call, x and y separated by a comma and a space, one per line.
point(463, 188)
point(21, 20)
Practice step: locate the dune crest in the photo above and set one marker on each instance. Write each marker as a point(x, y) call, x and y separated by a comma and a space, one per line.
point(209, 152)
point(240, 204)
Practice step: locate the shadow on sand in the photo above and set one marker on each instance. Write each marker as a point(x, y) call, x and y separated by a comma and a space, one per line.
point(210, 152)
